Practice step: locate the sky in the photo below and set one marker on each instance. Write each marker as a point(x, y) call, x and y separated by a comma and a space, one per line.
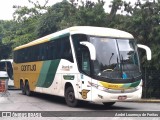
point(6, 6)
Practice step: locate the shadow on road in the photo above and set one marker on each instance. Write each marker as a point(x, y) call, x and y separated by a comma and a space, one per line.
point(85, 105)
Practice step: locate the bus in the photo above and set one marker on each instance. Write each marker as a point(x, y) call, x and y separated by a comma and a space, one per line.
point(81, 63)
point(6, 65)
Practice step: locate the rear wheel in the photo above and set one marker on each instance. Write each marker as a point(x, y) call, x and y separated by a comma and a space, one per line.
point(28, 91)
point(22, 87)
point(70, 97)
point(108, 104)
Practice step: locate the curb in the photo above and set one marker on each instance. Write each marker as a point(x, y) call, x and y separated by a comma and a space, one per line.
point(148, 101)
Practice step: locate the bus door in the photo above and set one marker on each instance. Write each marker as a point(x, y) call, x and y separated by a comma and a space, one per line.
point(84, 79)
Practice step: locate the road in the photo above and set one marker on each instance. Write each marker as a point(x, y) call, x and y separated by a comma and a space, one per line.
point(15, 101)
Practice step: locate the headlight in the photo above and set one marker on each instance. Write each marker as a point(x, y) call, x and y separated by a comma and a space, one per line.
point(98, 86)
point(101, 88)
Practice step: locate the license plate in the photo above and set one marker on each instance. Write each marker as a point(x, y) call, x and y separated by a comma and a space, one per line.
point(121, 98)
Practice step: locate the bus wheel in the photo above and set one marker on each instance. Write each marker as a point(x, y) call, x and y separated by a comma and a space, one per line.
point(23, 88)
point(70, 97)
point(28, 92)
point(108, 104)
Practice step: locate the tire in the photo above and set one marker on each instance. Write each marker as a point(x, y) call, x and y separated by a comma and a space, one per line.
point(108, 104)
point(28, 92)
point(22, 87)
point(70, 97)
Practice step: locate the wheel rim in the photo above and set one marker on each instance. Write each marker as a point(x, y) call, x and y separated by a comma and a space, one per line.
point(71, 97)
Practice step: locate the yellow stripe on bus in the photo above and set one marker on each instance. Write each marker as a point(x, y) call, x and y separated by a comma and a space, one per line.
point(114, 86)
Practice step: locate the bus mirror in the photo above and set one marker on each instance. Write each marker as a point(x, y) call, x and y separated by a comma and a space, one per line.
point(91, 48)
point(148, 50)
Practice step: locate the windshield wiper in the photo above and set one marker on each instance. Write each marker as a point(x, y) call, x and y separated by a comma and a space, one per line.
point(110, 59)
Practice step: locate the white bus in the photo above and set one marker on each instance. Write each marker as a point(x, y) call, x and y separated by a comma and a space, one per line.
point(6, 65)
point(86, 63)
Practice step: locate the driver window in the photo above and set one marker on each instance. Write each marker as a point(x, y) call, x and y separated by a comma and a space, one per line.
point(85, 62)
point(82, 53)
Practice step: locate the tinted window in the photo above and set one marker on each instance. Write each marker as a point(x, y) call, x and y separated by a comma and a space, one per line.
point(2, 66)
point(56, 49)
point(82, 53)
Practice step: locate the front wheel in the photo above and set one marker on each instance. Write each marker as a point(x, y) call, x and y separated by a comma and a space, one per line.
point(70, 97)
point(108, 104)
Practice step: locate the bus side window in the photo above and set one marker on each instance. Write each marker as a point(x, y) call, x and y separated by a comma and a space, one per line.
point(52, 50)
point(85, 62)
point(82, 53)
point(65, 51)
point(83, 57)
point(43, 52)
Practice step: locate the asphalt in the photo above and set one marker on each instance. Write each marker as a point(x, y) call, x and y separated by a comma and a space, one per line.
point(143, 100)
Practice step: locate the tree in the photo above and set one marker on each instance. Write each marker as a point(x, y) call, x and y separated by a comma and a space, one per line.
point(23, 28)
point(58, 17)
point(23, 13)
point(64, 14)
point(115, 6)
point(91, 14)
point(5, 48)
point(144, 24)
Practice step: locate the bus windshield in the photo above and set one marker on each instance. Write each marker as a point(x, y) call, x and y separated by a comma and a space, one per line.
point(7, 66)
point(115, 58)
point(2, 66)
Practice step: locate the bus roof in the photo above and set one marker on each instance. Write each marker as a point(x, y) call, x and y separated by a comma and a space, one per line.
point(88, 30)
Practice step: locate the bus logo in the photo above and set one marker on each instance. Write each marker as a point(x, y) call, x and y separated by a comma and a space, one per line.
point(28, 67)
point(66, 68)
point(84, 93)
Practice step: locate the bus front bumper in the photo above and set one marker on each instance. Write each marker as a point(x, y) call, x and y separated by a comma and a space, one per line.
point(99, 96)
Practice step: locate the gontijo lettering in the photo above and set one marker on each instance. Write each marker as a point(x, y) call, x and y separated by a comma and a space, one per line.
point(28, 67)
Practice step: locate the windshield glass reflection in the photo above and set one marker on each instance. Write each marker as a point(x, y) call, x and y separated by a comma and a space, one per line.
point(115, 58)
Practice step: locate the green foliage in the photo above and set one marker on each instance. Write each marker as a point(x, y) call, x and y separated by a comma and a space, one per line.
point(91, 14)
point(145, 26)
point(56, 18)
point(23, 13)
point(141, 20)
point(21, 30)
point(5, 47)
point(63, 15)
